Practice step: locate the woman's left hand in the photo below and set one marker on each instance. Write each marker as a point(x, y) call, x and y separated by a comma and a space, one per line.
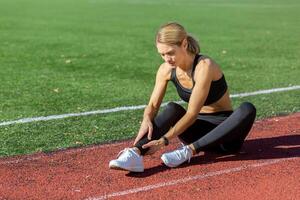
point(154, 145)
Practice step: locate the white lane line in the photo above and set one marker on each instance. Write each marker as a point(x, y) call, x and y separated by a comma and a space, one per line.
point(190, 178)
point(138, 107)
point(247, 94)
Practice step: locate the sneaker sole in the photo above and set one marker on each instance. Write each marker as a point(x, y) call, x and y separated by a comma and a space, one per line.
point(125, 169)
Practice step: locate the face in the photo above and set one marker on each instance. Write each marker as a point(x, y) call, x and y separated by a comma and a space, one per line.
point(171, 54)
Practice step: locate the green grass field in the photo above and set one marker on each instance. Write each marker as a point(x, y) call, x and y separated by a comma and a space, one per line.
point(66, 56)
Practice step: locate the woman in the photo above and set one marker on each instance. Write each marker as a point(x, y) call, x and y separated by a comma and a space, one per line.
point(209, 122)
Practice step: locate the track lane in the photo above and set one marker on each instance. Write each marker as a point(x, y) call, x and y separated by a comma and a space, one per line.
point(83, 173)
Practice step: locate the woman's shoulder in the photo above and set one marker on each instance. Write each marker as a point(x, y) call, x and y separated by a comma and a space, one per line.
point(205, 60)
point(209, 65)
point(204, 63)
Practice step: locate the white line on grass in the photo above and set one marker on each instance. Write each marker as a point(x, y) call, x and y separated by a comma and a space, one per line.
point(126, 108)
point(190, 178)
point(247, 94)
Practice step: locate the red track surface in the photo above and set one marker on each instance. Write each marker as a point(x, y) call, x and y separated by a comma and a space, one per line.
point(269, 168)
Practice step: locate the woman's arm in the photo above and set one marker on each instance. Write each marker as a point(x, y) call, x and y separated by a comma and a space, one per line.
point(203, 78)
point(162, 77)
point(157, 93)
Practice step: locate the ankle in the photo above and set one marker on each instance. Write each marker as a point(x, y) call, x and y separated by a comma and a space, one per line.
point(191, 146)
point(137, 150)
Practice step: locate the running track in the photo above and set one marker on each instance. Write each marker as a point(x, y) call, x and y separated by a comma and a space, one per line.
point(267, 168)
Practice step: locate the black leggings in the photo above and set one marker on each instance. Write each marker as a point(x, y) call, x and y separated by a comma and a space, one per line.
point(221, 131)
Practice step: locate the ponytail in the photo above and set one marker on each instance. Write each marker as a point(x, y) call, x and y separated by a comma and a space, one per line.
point(193, 45)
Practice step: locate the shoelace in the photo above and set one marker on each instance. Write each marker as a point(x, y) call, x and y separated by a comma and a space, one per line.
point(183, 152)
point(188, 149)
point(187, 153)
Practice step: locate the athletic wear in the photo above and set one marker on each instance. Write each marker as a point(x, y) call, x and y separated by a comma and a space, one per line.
point(128, 160)
point(214, 118)
point(162, 123)
point(223, 132)
point(216, 91)
point(177, 157)
point(209, 133)
point(231, 133)
point(205, 123)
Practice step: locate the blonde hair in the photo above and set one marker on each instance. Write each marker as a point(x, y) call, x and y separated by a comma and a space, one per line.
point(173, 33)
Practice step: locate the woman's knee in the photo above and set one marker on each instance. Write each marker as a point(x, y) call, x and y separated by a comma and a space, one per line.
point(248, 108)
point(174, 108)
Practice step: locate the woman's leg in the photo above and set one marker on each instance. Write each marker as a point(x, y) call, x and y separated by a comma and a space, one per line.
point(231, 133)
point(162, 123)
point(196, 131)
point(129, 159)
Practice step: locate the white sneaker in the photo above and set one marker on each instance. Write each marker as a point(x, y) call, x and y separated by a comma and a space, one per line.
point(177, 157)
point(128, 160)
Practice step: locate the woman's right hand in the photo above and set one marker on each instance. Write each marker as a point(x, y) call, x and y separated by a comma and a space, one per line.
point(146, 127)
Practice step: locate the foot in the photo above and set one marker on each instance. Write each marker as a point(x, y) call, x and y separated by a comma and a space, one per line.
point(177, 157)
point(129, 160)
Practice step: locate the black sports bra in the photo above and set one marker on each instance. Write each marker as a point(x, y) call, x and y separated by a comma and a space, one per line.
point(216, 91)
